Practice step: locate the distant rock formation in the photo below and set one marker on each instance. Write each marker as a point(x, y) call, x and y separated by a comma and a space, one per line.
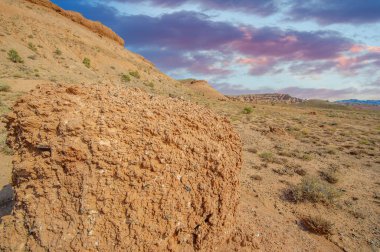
point(266, 98)
point(94, 26)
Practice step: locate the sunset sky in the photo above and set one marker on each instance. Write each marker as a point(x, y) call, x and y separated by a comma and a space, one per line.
point(328, 49)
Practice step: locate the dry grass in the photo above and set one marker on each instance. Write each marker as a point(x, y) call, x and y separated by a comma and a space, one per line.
point(317, 225)
point(331, 174)
point(5, 88)
point(313, 189)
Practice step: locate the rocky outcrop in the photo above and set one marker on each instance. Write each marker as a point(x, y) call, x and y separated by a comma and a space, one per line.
point(266, 98)
point(101, 168)
point(94, 26)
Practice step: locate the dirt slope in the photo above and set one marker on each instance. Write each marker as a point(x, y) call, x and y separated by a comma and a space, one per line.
point(203, 88)
point(96, 27)
point(99, 168)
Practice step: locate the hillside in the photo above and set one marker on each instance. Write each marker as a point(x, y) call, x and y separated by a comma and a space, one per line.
point(53, 48)
point(309, 176)
point(203, 88)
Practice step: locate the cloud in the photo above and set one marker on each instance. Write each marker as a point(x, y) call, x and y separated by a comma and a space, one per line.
point(259, 7)
point(180, 30)
point(327, 12)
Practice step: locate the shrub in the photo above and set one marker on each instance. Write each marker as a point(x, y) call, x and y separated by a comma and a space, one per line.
point(14, 57)
point(314, 190)
point(331, 174)
point(317, 225)
point(3, 145)
point(5, 88)
point(247, 110)
point(135, 74)
point(32, 47)
point(87, 62)
point(58, 52)
point(125, 78)
point(149, 84)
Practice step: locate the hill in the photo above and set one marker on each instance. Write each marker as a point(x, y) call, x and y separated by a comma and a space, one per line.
point(203, 88)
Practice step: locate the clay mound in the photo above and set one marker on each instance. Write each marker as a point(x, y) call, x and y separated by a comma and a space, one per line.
point(108, 169)
point(94, 26)
point(203, 88)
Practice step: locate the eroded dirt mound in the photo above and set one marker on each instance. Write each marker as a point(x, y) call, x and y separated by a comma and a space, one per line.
point(94, 26)
point(108, 169)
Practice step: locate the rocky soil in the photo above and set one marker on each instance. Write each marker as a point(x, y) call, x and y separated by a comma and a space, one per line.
point(106, 168)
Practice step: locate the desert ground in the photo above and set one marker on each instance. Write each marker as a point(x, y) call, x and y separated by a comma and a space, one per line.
point(309, 179)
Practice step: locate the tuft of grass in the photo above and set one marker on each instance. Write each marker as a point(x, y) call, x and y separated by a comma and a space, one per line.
point(331, 174)
point(317, 225)
point(314, 190)
point(5, 88)
point(247, 110)
point(32, 47)
point(135, 74)
point(267, 156)
point(3, 145)
point(149, 84)
point(87, 62)
point(125, 78)
point(58, 52)
point(14, 56)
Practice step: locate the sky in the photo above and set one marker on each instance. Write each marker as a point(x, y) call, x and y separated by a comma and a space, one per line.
point(325, 49)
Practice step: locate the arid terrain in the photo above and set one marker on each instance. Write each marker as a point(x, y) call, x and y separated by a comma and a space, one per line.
point(309, 179)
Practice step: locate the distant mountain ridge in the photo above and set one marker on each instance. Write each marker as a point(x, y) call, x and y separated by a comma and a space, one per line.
point(267, 98)
point(356, 101)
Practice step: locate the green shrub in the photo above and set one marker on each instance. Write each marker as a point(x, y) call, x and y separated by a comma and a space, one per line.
point(317, 225)
point(314, 190)
point(87, 62)
point(135, 74)
point(5, 88)
point(58, 52)
point(149, 84)
point(125, 78)
point(247, 110)
point(32, 47)
point(14, 57)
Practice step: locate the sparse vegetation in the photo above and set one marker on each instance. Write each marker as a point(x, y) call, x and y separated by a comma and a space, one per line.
point(87, 62)
point(331, 174)
point(58, 52)
point(149, 84)
point(314, 190)
point(135, 74)
point(267, 156)
point(4, 88)
point(14, 56)
point(32, 47)
point(317, 225)
point(125, 78)
point(3, 145)
point(247, 110)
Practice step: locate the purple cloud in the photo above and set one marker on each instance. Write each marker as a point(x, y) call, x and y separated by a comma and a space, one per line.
point(180, 30)
point(336, 11)
point(259, 7)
